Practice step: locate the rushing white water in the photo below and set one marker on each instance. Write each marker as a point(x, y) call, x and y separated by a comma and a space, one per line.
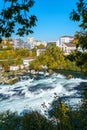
point(32, 93)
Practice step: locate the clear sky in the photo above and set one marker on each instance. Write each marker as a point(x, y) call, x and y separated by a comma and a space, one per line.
point(53, 19)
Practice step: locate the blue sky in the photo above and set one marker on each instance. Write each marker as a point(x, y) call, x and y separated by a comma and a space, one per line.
point(53, 19)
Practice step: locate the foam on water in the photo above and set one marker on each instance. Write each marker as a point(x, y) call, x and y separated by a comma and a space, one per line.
point(31, 93)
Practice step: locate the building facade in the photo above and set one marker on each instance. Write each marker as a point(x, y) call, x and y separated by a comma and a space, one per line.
point(68, 48)
point(64, 39)
point(18, 43)
point(27, 61)
point(66, 44)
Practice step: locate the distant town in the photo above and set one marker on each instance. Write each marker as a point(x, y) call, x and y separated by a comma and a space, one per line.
point(66, 43)
point(17, 55)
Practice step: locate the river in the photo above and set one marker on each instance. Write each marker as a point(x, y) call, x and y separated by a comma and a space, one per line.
point(31, 92)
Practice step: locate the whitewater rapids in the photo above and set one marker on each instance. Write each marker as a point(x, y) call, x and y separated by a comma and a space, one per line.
point(30, 93)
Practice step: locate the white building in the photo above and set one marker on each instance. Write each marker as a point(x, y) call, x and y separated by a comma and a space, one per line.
point(27, 61)
point(68, 48)
point(41, 43)
point(34, 43)
point(64, 39)
point(57, 43)
point(18, 43)
point(14, 67)
point(66, 44)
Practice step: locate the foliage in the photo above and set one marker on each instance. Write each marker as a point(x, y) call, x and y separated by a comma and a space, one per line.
point(52, 58)
point(35, 121)
point(81, 40)
point(40, 46)
point(33, 52)
point(15, 14)
point(6, 66)
point(9, 121)
point(67, 118)
point(80, 14)
point(6, 45)
point(80, 59)
point(9, 57)
point(83, 109)
point(80, 37)
point(22, 52)
point(28, 121)
point(60, 114)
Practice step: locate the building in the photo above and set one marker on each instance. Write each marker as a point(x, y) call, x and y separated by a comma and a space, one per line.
point(38, 43)
point(14, 67)
point(27, 61)
point(34, 43)
point(31, 42)
point(18, 43)
point(40, 51)
point(68, 48)
point(64, 39)
point(66, 44)
point(58, 43)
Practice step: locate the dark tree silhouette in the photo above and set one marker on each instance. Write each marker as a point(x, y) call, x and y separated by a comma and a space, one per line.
point(80, 14)
point(15, 18)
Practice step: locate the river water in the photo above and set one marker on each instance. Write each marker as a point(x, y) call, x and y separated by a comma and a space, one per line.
point(31, 92)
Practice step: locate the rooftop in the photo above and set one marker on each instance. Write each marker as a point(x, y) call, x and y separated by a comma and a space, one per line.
point(28, 58)
point(70, 44)
point(67, 36)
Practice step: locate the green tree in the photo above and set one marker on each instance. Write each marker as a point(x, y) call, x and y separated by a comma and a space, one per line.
point(83, 110)
point(6, 66)
point(81, 39)
point(60, 114)
point(40, 46)
point(15, 14)
point(27, 121)
point(80, 14)
point(36, 121)
point(52, 58)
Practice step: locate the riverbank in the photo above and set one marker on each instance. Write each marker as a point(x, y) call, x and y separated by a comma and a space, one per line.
point(14, 76)
point(11, 77)
point(75, 74)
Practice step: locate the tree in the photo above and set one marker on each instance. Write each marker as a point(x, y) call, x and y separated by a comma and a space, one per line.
point(15, 18)
point(81, 39)
point(52, 57)
point(80, 14)
point(27, 121)
point(59, 112)
point(6, 66)
point(81, 57)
